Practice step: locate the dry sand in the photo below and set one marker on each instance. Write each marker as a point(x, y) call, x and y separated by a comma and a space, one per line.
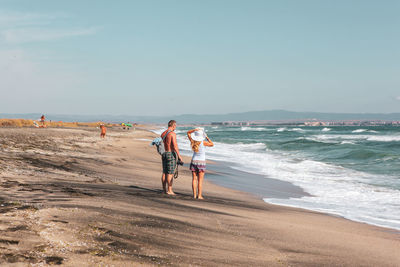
point(69, 198)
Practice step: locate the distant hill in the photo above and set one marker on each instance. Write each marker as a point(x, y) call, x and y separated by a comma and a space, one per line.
point(267, 115)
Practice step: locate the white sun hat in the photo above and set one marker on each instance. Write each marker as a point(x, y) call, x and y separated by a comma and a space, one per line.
point(198, 135)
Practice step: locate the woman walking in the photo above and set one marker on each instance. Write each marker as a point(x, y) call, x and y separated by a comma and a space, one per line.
point(199, 140)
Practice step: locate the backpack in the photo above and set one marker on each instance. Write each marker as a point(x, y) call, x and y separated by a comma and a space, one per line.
point(159, 143)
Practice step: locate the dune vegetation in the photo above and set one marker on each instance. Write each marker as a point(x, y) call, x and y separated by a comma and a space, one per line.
point(53, 124)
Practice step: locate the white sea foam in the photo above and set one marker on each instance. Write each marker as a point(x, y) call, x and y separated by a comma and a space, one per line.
point(253, 129)
point(359, 131)
point(326, 129)
point(384, 138)
point(342, 137)
point(364, 130)
point(347, 142)
point(297, 130)
point(334, 189)
point(159, 131)
point(284, 129)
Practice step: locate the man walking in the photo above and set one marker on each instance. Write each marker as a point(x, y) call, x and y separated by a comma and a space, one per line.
point(169, 157)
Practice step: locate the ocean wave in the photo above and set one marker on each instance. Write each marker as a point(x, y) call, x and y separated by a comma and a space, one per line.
point(284, 129)
point(300, 141)
point(334, 189)
point(375, 138)
point(364, 130)
point(347, 143)
point(158, 131)
point(227, 129)
point(297, 130)
point(334, 137)
point(364, 154)
point(359, 131)
point(384, 138)
point(326, 129)
point(240, 147)
point(322, 140)
point(353, 194)
point(253, 129)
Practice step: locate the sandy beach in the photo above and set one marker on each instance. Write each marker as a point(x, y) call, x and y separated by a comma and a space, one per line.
point(67, 197)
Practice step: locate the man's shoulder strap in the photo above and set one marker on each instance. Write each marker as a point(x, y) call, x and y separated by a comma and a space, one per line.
point(165, 136)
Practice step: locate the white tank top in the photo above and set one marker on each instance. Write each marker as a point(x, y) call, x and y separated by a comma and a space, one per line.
point(201, 155)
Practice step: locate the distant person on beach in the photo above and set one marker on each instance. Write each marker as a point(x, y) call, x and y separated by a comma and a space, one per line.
point(169, 157)
point(103, 130)
point(42, 120)
point(198, 140)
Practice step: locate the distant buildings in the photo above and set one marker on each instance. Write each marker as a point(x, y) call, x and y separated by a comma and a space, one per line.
point(231, 123)
point(311, 122)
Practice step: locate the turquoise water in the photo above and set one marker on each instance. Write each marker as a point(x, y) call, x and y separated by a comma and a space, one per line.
point(350, 171)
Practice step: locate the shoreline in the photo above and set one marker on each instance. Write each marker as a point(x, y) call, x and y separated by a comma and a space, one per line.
point(221, 173)
point(73, 198)
point(267, 188)
point(277, 189)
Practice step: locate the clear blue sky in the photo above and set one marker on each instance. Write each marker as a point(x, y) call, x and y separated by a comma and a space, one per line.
point(173, 57)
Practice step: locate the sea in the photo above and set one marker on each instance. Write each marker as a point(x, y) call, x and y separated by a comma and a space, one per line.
point(350, 171)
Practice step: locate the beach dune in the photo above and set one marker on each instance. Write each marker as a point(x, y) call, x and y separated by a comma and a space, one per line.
point(68, 197)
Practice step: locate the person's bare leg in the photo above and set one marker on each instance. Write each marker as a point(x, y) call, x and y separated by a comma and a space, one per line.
point(194, 184)
point(164, 183)
point(169, 181)
point(200, 185)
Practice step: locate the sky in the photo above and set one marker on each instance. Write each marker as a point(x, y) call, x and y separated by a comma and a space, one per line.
point(171, 57)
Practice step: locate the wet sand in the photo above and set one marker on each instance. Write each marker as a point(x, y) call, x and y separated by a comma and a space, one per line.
point(67, 197)
point(220, 173)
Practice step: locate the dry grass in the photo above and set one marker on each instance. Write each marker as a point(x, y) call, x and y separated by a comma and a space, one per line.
point(52, 124)
point(15, 123)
